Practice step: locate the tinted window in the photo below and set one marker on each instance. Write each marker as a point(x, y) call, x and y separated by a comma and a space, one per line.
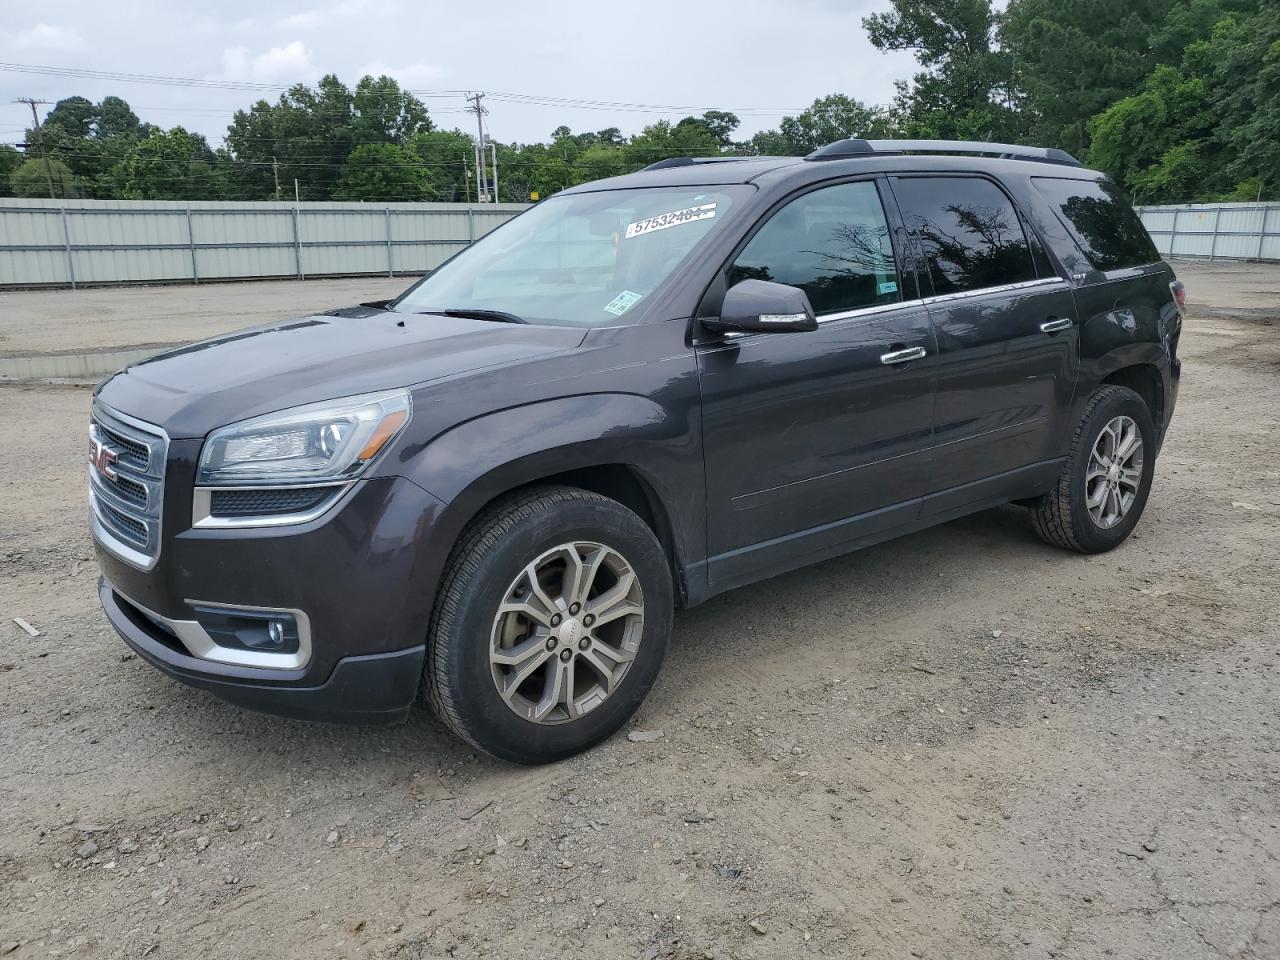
point(1101, 221)
point(833, 243)
point(970, 232)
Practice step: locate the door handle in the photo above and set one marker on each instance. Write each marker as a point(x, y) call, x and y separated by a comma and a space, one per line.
point(1055, 325)
point(902, 356)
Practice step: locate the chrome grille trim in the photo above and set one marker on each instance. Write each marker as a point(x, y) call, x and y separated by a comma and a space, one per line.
point(127, 524)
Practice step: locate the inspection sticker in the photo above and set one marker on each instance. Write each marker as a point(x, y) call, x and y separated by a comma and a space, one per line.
point(888, 286)
point(703, 211)
point(623, 302)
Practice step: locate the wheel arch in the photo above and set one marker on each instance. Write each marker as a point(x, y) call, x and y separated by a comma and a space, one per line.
point(1143, 379)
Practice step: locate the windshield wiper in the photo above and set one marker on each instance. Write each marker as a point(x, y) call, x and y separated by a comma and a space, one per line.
point(498, 316)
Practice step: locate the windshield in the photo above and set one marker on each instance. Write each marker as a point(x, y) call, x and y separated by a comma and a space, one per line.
point(583, 259)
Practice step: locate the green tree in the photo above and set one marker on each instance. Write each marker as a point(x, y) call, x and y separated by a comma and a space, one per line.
point(31, 179)
point(1242, 61)
point(662, 140)
point(383, 172)
point(117, 119)
point(74, 116)
point(383, 113)
point(1167, 124)
point(830, 118)
point(306, 134)
point(1074, 58)
point(965, 89)
point(167, 165)
point(718, 124)
point(10, 160)
point(448, 155)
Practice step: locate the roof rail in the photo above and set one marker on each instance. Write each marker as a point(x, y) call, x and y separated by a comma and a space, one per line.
point(689, 161)
point(843, 149)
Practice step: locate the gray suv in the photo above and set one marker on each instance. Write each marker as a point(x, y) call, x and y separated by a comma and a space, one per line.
point(493, 491)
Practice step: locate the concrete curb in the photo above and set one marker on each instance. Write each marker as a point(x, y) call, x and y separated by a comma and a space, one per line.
point(73, 366)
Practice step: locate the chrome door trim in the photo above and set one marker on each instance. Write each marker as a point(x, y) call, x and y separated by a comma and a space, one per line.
point(1002, 288)
point(857, 314)
point(1056, 325)
point(903, 356)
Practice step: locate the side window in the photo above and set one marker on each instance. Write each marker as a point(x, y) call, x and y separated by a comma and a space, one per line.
point(833, 243)
point(1102, 223)
point(970, 232)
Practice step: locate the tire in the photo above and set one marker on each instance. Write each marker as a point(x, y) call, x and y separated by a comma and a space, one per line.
point(489, 568)
point(1063, 517)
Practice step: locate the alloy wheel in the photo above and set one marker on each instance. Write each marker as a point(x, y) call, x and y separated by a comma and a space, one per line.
point(566, 632)
point(1114, 473)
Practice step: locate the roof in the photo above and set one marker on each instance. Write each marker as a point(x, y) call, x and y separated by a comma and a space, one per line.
point(850, 156)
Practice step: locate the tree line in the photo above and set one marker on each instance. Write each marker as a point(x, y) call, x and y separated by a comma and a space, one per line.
point(1178, 100)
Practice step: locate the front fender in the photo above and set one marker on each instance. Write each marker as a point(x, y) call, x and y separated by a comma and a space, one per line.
point(476, 461)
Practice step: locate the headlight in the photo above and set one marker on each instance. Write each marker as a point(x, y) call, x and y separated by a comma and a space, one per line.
point(329, 441)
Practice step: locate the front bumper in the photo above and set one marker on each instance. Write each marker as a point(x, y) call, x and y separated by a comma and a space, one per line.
point(373, 688)
point(360, 580)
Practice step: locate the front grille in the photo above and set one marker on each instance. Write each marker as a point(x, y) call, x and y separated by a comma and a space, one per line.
point(134, 452)
point(130, 490)
point(126, 484)
point(265, 503)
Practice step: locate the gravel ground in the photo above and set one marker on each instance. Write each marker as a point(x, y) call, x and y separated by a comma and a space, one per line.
point(961, 744)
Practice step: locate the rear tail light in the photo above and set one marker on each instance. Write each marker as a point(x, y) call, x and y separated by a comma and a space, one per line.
point(1179, 296)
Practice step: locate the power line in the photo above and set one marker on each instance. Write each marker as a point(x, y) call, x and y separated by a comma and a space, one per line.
point(515, 98)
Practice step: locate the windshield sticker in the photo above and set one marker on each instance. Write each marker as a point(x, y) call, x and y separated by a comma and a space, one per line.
point(703, 211)
point(623, 302)
point(888, 287)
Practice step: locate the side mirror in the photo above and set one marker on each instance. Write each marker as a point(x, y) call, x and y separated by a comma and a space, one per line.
point(758, 306)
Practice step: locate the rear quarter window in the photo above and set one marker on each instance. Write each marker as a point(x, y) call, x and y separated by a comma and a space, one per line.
point(1101, 221)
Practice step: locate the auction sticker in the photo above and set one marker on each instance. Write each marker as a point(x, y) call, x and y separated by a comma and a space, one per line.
point(623, 302)
point(703, 211)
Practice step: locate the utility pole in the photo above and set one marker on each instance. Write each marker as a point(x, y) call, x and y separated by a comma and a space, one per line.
point(35, 116)
point(466, 177)
point(493, 152)
point(482, 179)
point(275, 172)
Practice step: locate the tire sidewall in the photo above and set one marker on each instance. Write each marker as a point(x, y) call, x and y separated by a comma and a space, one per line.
point(1119, 402)
point(489, 721)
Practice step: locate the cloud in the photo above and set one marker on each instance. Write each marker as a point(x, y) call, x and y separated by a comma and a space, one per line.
point(342, 10)
point(291, 62)
point(44, 36)
point(412, 76)
point(306, 20)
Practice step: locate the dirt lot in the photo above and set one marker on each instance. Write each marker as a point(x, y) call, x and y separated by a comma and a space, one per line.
point(962, 744)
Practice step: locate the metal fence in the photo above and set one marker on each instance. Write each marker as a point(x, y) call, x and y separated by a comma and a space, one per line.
point(1228, 231)
point(68, 243)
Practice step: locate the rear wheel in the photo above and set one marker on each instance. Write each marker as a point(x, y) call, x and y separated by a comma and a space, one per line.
point(1106, 479)
point(551, 625)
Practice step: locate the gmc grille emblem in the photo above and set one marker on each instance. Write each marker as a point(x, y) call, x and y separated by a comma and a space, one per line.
point(103, 457)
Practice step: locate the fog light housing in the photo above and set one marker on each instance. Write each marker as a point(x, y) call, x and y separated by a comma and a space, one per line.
point(261, 631)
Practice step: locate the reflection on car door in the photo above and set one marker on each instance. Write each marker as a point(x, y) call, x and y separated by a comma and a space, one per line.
point(812, 440)
point(1007, 340)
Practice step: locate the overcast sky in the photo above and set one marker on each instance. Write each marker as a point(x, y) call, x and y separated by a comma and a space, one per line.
point(759, 58)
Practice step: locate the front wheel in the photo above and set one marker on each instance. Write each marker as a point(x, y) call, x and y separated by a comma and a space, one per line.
point(551, 625)
point(1106, 478)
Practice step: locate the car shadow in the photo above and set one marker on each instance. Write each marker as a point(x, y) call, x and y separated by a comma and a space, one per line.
point(906, 571)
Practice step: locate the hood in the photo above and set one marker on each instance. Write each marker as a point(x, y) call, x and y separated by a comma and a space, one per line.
point(197, 388)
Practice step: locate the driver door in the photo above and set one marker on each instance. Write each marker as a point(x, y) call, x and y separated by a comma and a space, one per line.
point(815, 441)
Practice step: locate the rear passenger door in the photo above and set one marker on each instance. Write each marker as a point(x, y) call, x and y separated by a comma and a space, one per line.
point(814, 440)
point(1007, 339)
